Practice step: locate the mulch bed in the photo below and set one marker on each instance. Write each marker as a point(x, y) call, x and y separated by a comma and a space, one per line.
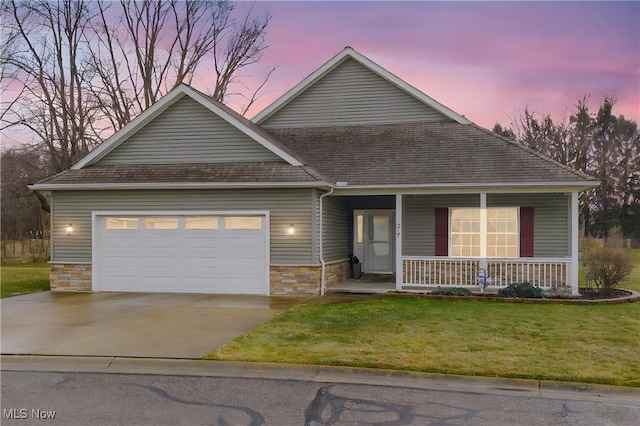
point(587, 296)
point(595, 294)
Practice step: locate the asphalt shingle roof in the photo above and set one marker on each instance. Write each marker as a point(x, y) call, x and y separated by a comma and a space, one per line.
point(186, 172)
point(421, 153)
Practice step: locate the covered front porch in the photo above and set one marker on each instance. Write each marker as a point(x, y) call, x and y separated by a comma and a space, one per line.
point(482, 241)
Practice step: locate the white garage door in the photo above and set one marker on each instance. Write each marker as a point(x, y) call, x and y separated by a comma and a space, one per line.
point(178, 253)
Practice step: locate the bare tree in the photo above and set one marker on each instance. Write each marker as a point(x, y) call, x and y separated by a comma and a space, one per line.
point(87, 68)
point(602, 145)
point(80, 70)
point(46, 63)
point(160, 44)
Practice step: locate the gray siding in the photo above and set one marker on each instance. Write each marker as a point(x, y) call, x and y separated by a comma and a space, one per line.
point(187, 132)
point(550, 217)
point(336, 223)
point(352, 94)
point(550, 220)
point(285, 206)
point(419, 220)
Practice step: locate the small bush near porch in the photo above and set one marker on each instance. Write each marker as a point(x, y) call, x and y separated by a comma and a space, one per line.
point(579, 343)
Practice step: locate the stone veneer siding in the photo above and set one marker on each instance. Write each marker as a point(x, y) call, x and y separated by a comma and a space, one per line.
point(70, 277)
point(305, 279)
point(337, 272)
point(285, 280)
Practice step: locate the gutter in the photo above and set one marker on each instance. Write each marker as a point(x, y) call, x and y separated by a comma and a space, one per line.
point(322, 262)
point(172, 185)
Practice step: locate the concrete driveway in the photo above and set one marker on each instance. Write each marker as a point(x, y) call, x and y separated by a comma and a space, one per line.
point(153, 325)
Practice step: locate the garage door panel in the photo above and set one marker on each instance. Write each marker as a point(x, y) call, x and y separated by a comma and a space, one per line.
point(221, 261)
point(160, 260)
point(202, 243)
point(130, 245)
point(205, 273)
point(202, 252)
point(122, 283)
point(157, 243)
point(206, 264)
point(124, 261)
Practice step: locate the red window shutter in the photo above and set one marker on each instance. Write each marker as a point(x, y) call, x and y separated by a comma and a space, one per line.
point(442, 231)
point(526, 231)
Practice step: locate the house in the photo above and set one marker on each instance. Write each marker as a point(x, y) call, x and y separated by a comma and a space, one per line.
point(192, 197)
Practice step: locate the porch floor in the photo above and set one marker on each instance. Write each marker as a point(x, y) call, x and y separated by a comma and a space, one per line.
point(367, 284)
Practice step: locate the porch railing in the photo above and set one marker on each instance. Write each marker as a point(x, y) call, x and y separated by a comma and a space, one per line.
point(463, 272)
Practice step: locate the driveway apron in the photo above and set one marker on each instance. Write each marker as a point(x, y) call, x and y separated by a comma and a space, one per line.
point(153, 325)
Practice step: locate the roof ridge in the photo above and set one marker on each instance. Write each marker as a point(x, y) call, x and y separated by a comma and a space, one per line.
point(534, 152)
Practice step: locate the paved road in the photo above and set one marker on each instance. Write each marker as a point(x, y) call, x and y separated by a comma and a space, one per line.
point(102, 398)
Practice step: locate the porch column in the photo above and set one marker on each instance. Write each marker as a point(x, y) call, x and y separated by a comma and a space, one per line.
point(398, 230)
point(483, 230)
point(575, 223)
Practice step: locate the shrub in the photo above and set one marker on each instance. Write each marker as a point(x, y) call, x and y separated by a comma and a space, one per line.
point(607, 266)
point(455, 291)
point(589, 245)
point(522, 290)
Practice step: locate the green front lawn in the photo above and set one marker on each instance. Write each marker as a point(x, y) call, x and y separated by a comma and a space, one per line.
point(25, 278)
point(633, 281)
point(580, 343)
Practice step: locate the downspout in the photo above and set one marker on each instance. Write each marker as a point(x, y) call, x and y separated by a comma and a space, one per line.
point(322, 284)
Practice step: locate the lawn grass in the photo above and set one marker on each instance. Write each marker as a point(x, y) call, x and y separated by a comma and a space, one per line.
point(633, 280)
point(578, 343)
point(18, 278)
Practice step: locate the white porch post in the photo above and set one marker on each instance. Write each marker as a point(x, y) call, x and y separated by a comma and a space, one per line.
point(483, 230)
point(399, 268)
point(575, 223)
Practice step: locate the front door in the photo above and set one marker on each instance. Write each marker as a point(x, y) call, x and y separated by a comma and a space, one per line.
point(378, 242)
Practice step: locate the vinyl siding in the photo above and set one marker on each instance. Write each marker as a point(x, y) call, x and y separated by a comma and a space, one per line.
point(285, 207)
point(550, 220)
point(336, 223)
point(352, 94)
point(187, 132)
point(418, 238)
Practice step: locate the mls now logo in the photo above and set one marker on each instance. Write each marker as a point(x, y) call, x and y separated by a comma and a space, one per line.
point(15, 413)
point(23, 413)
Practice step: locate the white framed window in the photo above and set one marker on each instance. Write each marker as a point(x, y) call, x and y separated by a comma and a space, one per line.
point(465, 232)
point(161, 223)
point(502, 232)
point(204, 222)
point(243, 222)
point(121, 223)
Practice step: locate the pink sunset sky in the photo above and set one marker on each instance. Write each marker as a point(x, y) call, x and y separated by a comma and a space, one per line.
point(484, 60)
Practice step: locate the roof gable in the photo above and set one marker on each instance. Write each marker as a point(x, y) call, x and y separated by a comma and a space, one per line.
point(187, 132)
point(351, 89)
point(186, 126)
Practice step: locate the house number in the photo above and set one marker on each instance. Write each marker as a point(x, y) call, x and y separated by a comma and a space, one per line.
point(397, 230)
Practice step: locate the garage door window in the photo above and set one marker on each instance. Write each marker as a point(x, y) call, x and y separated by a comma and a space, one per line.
point(161, 223)
point(121, 223)
point(208, 222)
point(243, 222)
